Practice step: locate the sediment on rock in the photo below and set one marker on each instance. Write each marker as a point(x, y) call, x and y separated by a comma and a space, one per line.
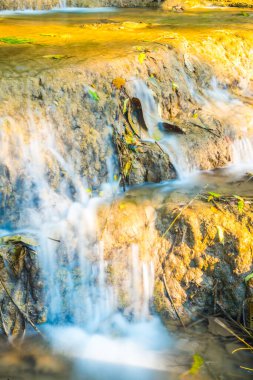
point(199, 269)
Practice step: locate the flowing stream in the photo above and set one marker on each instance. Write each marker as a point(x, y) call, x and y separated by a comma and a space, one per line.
point(83, 310)
point(87, 320)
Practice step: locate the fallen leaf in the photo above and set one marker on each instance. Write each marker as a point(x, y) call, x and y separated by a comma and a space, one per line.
point(127, 168)
point(220, 234)
point(125, 105)
point(141, 57)
point(240, 203)
point(93, 94)
point(119, 82)
point(54, 56)
point(174, 86)
point(249, 277)
point(213, 195)
point(198, 361)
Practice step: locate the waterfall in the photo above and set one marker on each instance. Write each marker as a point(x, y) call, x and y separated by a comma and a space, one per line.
point(55, 207)
point(170, 143)
point(242, 153)
point(63, 4)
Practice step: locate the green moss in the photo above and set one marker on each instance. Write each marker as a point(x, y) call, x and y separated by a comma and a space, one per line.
point(16, 40)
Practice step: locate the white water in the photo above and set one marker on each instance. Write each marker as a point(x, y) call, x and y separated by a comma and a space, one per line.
point(216, 101)
point(84, 318)
point(170, 143)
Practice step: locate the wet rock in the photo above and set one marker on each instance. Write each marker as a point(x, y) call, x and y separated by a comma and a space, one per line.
point(21, 287)
point(217, 329)
point(198, 272)
point(150, 165)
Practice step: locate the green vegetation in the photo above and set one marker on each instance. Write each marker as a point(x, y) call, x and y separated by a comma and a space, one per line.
point(15, 40)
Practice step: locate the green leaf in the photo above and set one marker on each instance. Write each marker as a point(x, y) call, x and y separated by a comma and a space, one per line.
point(214, 195)
point(249, 277)
point(245, 14)
point(198, 361)
point(93, 94)
point(15, 40)
point(141, 57)
point(240, 203)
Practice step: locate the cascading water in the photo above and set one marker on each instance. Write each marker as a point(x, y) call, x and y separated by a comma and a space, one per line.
point(215, 101)
point(170, 143)
point(240, 119)
point(63, 3)
point(56, 208)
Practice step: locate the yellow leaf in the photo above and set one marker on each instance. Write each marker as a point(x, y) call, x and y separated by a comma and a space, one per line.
point(130, 139)
point(220, 234)
point(119, 82)
point(198, 361)
point(122, 206)
point(127, 168)
point(125, 106)
point(54, 56)
point(141, 57)
point(140, 48)
point(174, 86)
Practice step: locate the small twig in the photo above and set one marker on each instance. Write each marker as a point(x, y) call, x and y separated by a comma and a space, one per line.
point(220, 323)
point(20, 310)
point(3, 323)
point(205, 128)
point(241, 349)
point(218, 207)
point(233, 321)
point(248, 369)
point(180, 213)
point(195, 323)
point(120, 164)
point(171, 300)
point(215, 291)
point(159, 146)
point(58, 241)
